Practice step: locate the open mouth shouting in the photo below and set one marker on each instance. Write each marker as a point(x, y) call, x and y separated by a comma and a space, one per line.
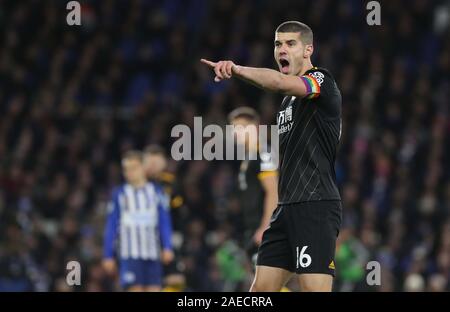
point(284, 65)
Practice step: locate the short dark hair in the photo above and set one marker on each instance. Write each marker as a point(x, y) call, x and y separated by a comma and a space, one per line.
point(244, 112)
point(155, 149)
point(306, 34)
point(133, 154)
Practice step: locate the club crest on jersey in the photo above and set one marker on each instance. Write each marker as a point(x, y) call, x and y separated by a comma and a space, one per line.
point(284, 119)
point(318, 76)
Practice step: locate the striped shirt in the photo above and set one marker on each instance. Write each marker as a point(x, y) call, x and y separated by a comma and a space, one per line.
point(138, 223)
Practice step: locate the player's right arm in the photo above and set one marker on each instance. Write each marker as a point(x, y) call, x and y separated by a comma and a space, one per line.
point(265, 78)
point(111, 233)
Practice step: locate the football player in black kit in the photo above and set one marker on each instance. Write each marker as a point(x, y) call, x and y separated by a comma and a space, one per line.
point(302, 235)
point(257, 180)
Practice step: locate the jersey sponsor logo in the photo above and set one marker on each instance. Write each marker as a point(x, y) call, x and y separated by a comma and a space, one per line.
point(284, 118)
point(285, 128)
point(288, 113)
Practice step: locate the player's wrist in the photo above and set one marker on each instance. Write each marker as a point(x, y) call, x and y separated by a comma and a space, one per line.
point(236, 69)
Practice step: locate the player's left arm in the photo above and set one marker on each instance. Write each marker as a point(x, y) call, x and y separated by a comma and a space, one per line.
point(165, 228)
point(269, 183)
point(264, 78)
point(111, 234)
point(268, 177)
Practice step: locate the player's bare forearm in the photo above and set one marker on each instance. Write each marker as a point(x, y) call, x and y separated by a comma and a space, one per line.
point(270, 203)
point(264, 78)
point(270, 186)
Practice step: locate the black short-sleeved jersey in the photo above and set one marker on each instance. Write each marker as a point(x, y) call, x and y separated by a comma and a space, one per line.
point(309, 132)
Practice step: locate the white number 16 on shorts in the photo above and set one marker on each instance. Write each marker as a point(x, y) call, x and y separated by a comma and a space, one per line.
point(303, 259)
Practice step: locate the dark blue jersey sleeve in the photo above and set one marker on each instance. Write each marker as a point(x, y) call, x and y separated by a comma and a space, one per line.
point(165, 222)
point(112, 225)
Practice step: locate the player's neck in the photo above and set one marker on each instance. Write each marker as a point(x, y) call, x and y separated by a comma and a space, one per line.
point(138, 184)
point(306, 66)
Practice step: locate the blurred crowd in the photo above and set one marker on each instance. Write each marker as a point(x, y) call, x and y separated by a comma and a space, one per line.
point(74, 98)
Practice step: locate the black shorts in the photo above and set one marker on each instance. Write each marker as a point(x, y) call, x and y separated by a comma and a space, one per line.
point(301, 237)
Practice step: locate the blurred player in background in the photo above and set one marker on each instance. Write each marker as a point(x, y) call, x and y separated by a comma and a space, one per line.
point(155, 162)
point(139, 221)
point(258, 180)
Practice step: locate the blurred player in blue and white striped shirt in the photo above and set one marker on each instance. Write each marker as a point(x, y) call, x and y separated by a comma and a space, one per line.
point(138, 229)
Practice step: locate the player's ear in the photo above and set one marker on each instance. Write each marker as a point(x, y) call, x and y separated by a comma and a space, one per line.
point(308, 51)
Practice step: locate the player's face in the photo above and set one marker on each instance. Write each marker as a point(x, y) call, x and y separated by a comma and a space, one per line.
point(245, 131)
point(154, 164)
point(289, 52)
point(133, 171)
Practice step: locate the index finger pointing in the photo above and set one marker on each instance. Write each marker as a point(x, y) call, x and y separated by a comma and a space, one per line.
point(209, 63)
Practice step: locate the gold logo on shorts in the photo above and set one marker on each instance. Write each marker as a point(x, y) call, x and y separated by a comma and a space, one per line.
point(331, 266)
